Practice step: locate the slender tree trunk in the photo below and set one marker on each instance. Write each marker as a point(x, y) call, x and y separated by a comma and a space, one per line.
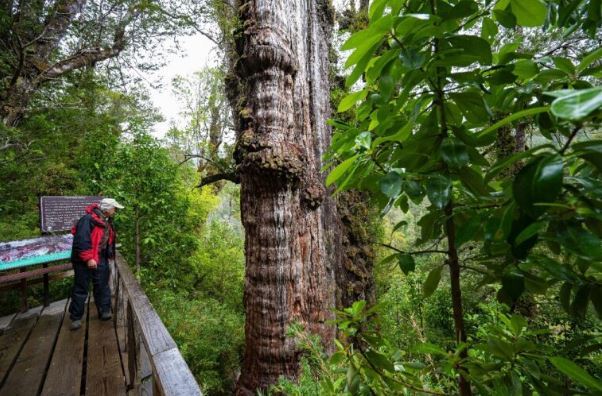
point(291, 241)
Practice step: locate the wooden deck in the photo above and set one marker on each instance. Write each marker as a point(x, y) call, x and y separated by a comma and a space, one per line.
point(40, 355)
point(133, 354)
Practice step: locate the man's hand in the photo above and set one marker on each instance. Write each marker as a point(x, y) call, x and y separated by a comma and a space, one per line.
point(92, 264)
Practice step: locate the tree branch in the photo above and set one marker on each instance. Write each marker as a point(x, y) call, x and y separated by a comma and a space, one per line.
point(230, 176)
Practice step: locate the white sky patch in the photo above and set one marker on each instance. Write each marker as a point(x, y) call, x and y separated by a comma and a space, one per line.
point(195, 53)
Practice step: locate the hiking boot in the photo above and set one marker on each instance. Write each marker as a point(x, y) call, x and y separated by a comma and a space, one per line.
point(106, 316)
point(76, 324)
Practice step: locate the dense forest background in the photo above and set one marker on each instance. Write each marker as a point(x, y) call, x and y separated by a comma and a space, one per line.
point(524, 192)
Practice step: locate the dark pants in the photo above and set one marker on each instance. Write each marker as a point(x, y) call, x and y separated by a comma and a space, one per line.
point(100, 283)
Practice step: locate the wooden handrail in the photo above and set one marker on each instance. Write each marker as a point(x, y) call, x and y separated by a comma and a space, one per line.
point(154, 363)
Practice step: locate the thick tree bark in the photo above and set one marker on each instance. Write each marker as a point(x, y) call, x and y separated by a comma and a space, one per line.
point(292, 240)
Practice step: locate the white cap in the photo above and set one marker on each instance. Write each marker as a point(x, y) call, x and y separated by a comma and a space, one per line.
point(109, 203)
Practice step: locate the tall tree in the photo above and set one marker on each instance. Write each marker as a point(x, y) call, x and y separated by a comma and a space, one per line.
point(290, 221)
point(42, 41)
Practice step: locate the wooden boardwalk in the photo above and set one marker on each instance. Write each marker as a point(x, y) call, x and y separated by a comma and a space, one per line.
point(40, 355)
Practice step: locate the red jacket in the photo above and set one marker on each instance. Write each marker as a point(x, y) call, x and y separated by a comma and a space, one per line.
point(88, 234)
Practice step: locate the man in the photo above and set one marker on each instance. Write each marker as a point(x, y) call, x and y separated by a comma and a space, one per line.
point(93, 245)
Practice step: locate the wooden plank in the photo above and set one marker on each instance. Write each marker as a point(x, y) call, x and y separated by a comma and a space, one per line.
point(154, 334)
point(172, 375)
point(29, 370)
point(13, 339)
point(34, 273)
point(104, 375)
point(65, 371)
point(5, 322)
point(53, 277)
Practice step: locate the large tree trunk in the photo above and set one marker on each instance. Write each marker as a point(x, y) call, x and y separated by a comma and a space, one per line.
point(292, 239)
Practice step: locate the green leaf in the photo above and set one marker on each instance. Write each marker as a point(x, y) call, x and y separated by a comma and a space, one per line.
point(589, 59)
point(529, 232)
point(406, 263)
point(577, 105)
point(576, 373)
point(565, 296)
point(468, 49)
point(364, 140)
point(389, 259)
point(432, 281)
point(580, 301)
point(564, 64)
point(489, 30)
point(529, 13)
point(505, 18)
point(453, 152)
point(340, 170)
point(538, 182)
point(525, 69)
point(412, 59)
point(390, 184)
point(513, 285)
point(474, 182)
point(472, 106)
point(379, 360)
point(399, 136)
point(438, 189)
point(488, 135)
point(461, 10)
point(504, 163)
point(349, 101)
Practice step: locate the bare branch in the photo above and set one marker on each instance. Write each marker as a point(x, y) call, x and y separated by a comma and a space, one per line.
point(230, 176)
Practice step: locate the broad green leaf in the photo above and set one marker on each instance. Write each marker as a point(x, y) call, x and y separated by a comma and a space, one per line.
point(364, 140)
point(432, 281)
point(578, 105)
point(529, 13)
point(438, 189)
point(400, 136)
point(576, 373)
point(564, 64)
point(539, 181)
point(505, 18)
point(472, 106)
point(487, 134)
point(474, 182)
point(525, 69)
point(412, 59)
point(505, 163)
point(376, 9)
point(350, 100)
point(379, 360)
point(453, 152)
point(469, 49)
point(513, 285)
point(565, 296)
point(489, 30)
point(529, 232)
point(580, 301)
point(340, 170)
point(390, 184)
point(589, 59)
point(389, 259)
point(406, 263)
point(461, 10)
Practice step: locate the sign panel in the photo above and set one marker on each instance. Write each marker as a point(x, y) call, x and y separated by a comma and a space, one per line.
point(17, 254)
point(60, 213)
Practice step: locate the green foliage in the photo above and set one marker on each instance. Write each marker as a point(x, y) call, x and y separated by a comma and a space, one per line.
point(442, 82)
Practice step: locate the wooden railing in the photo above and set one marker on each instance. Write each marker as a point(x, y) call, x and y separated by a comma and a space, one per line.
point(153, 364)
